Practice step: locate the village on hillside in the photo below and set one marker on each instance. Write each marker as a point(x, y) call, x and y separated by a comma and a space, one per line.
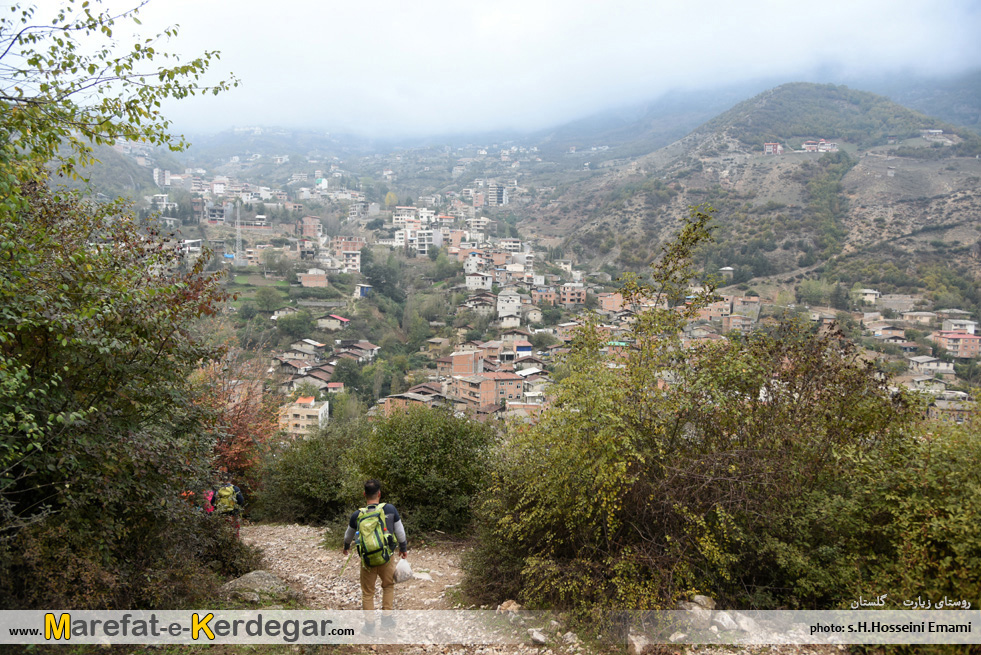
point(518, 291)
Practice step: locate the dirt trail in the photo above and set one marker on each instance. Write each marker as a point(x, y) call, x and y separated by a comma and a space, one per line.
point(296, 553)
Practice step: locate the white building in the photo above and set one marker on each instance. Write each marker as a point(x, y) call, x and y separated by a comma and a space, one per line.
point(479, 282)
point(427, 239)
point(305, 416)
point(958, 325)
point(508, 303)
point(927, 365)
point(474, 263)
point(351, 261)
point(402, 215)
point(510, 245)
point(869, 296)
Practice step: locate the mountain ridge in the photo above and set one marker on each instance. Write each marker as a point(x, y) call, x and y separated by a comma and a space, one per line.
point(780, 217)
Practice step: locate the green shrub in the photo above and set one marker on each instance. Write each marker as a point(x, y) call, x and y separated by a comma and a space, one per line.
point(303, 481)
point(322, 293)
point(431, 464)
point(930, 496)
point(171, 560)
point(719, 468)
point(902, 521)
point(629, 495)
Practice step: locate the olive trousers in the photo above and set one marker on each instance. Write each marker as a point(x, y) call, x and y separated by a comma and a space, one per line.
point(369, 575)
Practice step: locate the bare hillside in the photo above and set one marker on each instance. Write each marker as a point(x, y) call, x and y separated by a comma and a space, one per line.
point(879, 197)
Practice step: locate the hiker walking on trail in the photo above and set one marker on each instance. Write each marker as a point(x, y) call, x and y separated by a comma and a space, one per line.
point(376, 528)
point(229, 502)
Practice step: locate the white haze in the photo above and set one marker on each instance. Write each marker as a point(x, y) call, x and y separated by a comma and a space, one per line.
point(386, 67)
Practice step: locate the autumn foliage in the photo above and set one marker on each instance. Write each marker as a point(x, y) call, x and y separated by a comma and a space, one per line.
point(245, 416)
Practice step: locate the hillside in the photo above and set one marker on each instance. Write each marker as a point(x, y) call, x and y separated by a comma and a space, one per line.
point(634, 131)
point(955, 99)
point(800, 111)
point(113, 175)
point(887, 193)
point(627, 131)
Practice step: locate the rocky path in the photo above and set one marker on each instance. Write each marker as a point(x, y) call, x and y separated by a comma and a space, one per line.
point(327, 580)
point(298, 555)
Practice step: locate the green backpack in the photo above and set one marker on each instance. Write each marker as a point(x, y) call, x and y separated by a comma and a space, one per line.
point(225, 500)
point(374, 540)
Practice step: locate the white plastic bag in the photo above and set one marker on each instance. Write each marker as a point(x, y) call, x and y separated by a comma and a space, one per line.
point(403, 571)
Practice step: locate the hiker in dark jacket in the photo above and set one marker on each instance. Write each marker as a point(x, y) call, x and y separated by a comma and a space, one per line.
point(386, 571)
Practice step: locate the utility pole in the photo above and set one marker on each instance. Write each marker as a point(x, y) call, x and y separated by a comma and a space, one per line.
point(239, 255)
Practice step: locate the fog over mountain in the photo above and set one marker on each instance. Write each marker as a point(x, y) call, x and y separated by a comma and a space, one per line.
point(392, 69)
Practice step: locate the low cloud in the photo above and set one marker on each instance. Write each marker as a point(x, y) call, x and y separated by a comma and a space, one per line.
point(390, 68)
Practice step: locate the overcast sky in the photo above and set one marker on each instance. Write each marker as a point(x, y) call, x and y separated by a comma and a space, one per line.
point(395, 67)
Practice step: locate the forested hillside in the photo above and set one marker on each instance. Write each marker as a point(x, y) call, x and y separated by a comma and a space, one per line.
point(795, 112)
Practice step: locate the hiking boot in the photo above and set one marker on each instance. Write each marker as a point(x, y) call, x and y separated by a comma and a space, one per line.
point(388, 622)
point(368, 628)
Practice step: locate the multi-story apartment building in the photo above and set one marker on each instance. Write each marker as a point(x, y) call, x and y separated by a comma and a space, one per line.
point(736, 322)
point(571, 294)
point(489, 388)
point(477, 281)
point(305, 416)
point(499, 257)
point(357, 210)
point(309, 227)
point(508, 303)
point(402, 215)
point(959, 325)
point(610, 302)
point(746, 305)
point(351, 261)
point(961, 345)
point(497, 195)
point(462, 362)
point(544, 296)
point(715, 311)
point(479, 223)
point(427, 239)
point(508, 386)
point(340, 244)
point(474, 391)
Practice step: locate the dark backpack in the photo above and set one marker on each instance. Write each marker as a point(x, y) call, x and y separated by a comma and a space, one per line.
point(374, 543)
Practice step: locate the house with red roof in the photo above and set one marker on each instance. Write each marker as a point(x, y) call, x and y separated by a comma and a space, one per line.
point(332, 322)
